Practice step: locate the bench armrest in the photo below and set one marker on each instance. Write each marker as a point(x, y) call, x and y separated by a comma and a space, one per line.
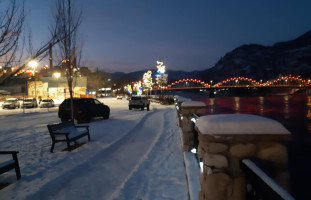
point(8, 152)
point(61, 133)
point(82, 126)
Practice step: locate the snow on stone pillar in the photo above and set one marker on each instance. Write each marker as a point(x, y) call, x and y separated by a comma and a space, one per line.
point(187, 109)
point(178, 102)
point(226, 139)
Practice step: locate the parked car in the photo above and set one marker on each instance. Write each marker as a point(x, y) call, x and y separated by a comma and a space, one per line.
point(139, 102)
point(84, 109)
point(46, 103)
point(30, 103)
point(119, 96)
point(11, 103)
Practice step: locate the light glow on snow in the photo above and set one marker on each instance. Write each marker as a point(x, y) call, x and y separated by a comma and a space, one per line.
point(201, 166)
point(193, 120)
point(193, 150)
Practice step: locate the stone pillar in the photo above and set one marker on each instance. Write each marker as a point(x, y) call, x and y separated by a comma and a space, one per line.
point(178, 101)
point(187, 119)
point(224, 140)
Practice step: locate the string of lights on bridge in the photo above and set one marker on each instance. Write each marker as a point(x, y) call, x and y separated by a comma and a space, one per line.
point(241, 81)
point(248, 82)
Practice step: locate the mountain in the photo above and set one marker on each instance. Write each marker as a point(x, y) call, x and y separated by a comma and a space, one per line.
point(251, 60)
point(265, 62)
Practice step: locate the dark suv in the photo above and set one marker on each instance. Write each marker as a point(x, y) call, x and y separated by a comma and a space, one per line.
point(84, 109)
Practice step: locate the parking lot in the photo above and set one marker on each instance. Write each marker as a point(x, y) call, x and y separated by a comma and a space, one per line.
point(29, 110)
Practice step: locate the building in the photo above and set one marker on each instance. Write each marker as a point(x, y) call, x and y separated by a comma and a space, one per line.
point(15, 87)
point(56, 88)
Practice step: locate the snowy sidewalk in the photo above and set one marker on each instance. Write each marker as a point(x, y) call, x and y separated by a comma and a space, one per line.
point(133, 155)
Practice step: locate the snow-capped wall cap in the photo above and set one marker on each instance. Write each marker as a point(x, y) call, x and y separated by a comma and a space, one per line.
point(193, 104)
point(181, 99)
point(227, 124)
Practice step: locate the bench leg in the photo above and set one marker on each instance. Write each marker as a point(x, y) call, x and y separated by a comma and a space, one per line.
point(68, 145)
point(17, 170)
point(88, 135)
point(52, 147)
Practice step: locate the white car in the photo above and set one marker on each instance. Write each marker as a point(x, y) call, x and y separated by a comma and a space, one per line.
point(119, 97)
point(47, 103)
point(11, 103)
point(139, 102)
point(30, 103)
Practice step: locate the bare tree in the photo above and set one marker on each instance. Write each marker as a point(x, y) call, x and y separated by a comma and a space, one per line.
point(67, 18)
point(11, 24)
point(10, 53)
point(97, 80)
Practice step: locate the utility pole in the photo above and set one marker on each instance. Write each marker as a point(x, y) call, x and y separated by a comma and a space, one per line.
point(51, 56)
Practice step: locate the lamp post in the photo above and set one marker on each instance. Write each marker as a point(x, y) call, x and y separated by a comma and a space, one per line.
point(33, 64)
point(57, 75)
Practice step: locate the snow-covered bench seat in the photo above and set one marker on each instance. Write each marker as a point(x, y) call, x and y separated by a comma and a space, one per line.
point(67, 132)
point(8, 164)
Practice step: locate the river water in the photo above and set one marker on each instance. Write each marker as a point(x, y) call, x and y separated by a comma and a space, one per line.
point(294, 112)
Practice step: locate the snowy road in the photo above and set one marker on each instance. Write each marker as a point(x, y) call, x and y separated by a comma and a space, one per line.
point(133, 155)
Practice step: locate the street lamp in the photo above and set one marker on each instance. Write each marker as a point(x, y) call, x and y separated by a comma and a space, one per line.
point(33, 64)
point(57, 75)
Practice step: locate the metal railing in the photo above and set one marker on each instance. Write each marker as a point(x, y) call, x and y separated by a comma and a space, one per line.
point(260, 186)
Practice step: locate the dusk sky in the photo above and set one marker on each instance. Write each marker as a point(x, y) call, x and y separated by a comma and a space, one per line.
point(131, 35)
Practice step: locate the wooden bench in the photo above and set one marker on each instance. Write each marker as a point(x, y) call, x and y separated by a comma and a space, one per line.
point(67, 132)
point(10, 164)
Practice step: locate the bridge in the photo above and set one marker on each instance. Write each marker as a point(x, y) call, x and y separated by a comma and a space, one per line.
point(285, 81)
point(239, 84)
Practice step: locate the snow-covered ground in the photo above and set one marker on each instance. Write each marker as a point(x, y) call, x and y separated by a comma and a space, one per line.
point(133, 155)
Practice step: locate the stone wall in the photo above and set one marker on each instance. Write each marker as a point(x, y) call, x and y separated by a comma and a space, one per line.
point(186, 112)
point(222, 147)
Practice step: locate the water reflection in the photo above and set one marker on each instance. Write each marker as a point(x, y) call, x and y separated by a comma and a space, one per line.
point(294, 112)
point(261, 105)
point(286, 108)
point(237, 104)
point(309, 113)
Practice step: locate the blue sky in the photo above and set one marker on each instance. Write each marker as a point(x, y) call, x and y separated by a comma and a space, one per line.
point(130, 35)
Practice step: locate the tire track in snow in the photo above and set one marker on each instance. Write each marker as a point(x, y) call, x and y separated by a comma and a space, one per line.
point(158, 177)
point(112, 167)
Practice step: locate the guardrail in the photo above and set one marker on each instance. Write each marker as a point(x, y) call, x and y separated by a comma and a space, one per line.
point(260, 186)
